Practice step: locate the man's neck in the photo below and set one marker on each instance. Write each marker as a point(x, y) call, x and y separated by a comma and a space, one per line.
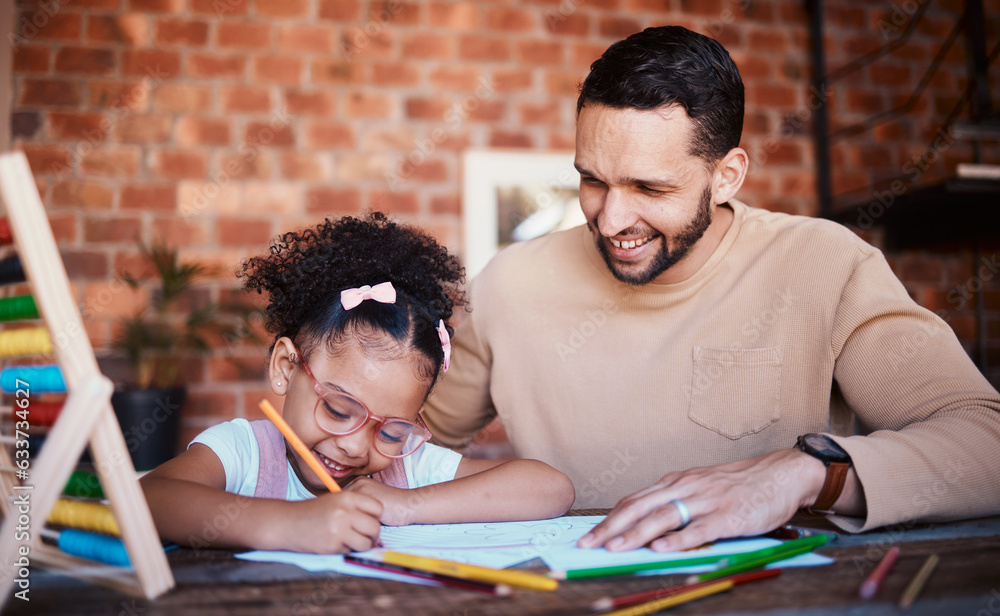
point(702, 251)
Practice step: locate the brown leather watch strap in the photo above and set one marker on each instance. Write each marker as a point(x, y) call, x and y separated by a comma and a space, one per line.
point(836, 477)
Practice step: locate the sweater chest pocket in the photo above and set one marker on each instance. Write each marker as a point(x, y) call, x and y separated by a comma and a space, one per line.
point(736, 392)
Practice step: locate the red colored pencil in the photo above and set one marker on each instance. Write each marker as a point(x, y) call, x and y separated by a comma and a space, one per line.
point(610, 603)
point(870, 586)
point(500, 590)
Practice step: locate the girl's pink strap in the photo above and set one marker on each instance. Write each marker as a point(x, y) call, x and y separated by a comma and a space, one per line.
point(393, 475)
point(272, 472)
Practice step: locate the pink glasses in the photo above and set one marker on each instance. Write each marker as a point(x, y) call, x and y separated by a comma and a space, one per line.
point(340, 414)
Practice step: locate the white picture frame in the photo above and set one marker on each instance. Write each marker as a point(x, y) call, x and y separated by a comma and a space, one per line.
point(549, 179)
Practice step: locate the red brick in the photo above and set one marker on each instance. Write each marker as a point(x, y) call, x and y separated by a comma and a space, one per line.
point(562, 140)
point(763, 40)
point(297, 166)
point(160, 197)
point(157, 6)
point(537, 51)
point(484, 48)
point(178, 232)
point(541, 113)
point(85, 60)
point(269, 134)
point(83, 193)
point(242, 232)
point(85, 263)
point(485, 111)
point(774, 96)
point(46, 158)
point(782, 153)
point(393, 202)
point(243, 35)
point(391, 138)
point(144, 129)
point(395, 74)
point(278, 69)
point(46, 24)
point(49, 92)
point(584, 54)
point(112, 229)
point(427, 46)
point(184, 98)
point(119, 95)
point(337, 72)
point(352, 167)
point(340, 10)
point(513, 80)
point(91, 127)
point(572, 24)
point(299, 37)
point(220, 8)
point(242, 167)
point(64, 228)
point(395, 12)
point(31, 59)
point(281, 8)
point(427, 108)
point(429, 171)
point(563, 83)
point(455, 78)
point(357, 41)
point(128, 28)
point(446, 204)
point(330, 135)
point(180, 164)
point(509, 19)
point(457, 16)
point(327, 200)
point(151, 62)
point(111, 162)
point(245, 99)
point(508, 139)
point(368, 105)
point(618, 27)
point(193, 130)
point(186, 32)
point(206, 65)
point(316, 102)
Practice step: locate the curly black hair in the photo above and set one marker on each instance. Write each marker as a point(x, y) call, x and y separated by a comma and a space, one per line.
point(306, 271)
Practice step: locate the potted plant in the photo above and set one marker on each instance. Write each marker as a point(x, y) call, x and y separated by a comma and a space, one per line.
point(171, 329)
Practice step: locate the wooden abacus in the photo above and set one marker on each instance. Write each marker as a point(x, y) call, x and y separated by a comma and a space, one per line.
point(86, 418)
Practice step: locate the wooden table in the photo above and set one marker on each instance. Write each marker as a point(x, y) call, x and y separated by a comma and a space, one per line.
point(209, 582)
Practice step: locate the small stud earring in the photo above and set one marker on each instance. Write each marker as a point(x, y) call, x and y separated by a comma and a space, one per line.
point(278, 383)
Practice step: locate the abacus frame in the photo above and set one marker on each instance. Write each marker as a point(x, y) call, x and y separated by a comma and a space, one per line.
point(86, 417)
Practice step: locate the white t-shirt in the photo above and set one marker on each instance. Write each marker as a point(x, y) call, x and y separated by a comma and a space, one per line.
point(235, 445)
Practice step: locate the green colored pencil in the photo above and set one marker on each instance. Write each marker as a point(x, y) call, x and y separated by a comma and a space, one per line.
point(576, 574)
point(749, 565)
point(815, 541)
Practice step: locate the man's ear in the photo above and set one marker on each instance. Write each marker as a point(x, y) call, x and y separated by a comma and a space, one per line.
point(279, 369)
point(729, 175)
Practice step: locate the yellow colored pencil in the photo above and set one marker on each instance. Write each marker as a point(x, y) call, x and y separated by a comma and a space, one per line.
point(917, 583)
point(522, 579)
point(298, 445)
point(661, 604)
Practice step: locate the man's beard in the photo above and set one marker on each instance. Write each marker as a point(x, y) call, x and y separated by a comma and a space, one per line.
point(665, 258)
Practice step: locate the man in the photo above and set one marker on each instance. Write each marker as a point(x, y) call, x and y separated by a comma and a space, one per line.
point(690, 358)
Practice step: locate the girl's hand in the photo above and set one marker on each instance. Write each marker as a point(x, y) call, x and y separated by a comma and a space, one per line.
point(330, 523)
point(398, 505)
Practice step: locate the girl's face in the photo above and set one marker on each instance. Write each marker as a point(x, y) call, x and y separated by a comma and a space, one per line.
point(387, 387)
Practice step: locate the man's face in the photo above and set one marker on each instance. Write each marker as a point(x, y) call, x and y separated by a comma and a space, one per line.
point(646, 200)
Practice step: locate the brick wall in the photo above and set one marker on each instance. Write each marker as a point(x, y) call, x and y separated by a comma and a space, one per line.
point(217, 124)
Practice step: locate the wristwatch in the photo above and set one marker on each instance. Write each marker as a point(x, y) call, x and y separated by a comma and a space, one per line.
point(837, 462)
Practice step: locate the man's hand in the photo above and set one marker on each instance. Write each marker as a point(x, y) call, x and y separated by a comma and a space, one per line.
point(729, 500)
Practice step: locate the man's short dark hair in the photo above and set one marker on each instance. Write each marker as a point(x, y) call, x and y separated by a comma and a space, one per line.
point(671, 65)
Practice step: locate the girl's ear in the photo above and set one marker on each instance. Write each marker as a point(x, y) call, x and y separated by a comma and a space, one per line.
point(279, 369)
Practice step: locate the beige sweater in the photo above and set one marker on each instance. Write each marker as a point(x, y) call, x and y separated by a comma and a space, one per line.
point(789, 326)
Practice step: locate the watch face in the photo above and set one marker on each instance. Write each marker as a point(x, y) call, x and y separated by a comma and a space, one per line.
point(824, 448)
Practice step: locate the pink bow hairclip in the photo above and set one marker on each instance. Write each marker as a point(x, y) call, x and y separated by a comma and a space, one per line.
point(445, 344)
point(382, 292)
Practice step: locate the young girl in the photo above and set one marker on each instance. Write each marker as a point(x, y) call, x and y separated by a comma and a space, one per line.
point(358, 309)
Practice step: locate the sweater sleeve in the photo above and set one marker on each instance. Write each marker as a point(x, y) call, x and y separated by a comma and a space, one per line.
point(460, 404)
point(932, 451)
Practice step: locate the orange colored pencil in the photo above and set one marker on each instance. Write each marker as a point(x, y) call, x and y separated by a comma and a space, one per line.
point(298, 445)
point(871, 584)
